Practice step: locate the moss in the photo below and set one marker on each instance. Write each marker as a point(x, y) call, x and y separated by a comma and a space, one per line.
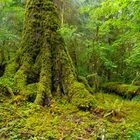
point(94, 80)
point(20, 78)
point(6, 90)
point(63, 120)
point(85, 82)
point(11, 68)
point(31, 92)
point(80, 96)
point(136, 98)
point(127, 91)
point(40, 96)
point(6, 81)
point(137, 83)
point(42, 67)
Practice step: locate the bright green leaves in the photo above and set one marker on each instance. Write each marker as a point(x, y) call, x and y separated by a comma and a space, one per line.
point(134, 59)
point(111, 32)
point(11, 15)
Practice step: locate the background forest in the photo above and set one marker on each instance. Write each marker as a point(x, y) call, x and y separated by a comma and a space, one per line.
point(103, 40)
point(102, 36)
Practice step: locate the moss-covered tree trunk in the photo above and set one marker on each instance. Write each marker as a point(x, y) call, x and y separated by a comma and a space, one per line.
point(42, 67)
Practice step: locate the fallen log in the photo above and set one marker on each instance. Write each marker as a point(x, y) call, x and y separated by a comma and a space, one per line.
point(124, 90)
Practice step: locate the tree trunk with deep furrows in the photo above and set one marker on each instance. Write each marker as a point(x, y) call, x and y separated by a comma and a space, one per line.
point(42, 67)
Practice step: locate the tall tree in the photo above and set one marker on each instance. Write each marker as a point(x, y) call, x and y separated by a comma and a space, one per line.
point(42, 67)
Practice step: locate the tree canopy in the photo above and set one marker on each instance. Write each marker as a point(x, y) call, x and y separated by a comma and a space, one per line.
point(69, 69)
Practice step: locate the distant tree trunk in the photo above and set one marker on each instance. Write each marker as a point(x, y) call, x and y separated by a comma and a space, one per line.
point(42, 68)
point(61, 8)
point(62, 13)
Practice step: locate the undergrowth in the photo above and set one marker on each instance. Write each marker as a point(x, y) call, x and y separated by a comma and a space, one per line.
point(62, 121)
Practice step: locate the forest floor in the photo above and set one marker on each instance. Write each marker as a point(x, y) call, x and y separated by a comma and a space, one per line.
point(119, 118)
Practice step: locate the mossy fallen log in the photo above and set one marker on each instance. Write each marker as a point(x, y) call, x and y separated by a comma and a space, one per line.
point(124, 90)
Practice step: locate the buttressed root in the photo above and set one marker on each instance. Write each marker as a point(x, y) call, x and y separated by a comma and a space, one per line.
point(42, 67)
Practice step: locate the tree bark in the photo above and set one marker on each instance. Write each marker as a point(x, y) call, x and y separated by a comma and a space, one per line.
point(42, 67)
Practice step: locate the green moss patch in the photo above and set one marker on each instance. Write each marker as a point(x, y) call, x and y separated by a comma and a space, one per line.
point(62, 120)
point(124, 90)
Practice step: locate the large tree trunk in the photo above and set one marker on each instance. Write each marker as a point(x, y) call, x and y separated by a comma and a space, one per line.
point(42, 67)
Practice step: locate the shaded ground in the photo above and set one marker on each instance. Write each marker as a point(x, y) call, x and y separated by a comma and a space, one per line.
point(120, 118)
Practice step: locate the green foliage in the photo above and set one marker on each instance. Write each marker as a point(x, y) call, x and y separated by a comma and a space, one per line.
point(11, 15)
point(109, 39)
point(68, 33)
point(102, 37)
point(136, 98)
point(134, 59)
point(135, 136)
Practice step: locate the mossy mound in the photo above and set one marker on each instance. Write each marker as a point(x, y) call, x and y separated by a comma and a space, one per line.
point(83, 80)
point(81, 97)
point(124, 90)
